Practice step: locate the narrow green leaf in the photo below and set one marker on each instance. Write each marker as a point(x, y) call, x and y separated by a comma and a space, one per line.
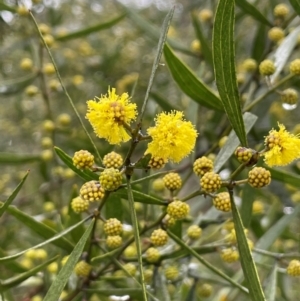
point(251, 10)
point(153, 31)
point(296, 5)
point(89, 30)
point(74, 218)
point(248, 265)
point(284, 176)
point(247, 203)
point(271, 284)
point(13, 266)
point(101, 258)
point(177, 229)
point(39, 228)
point(3, 6)
point(51, 240)
point(266, 241)
point(13, 195)
point(189, 83)
point(206, 263)
point(86, 175)
point(10, 158)
point(259, 43)
point(13, 86)
point(284, 51)
point(14, 281)
point(160, 46)
point(141, 197)
point(132, 292)
point(114, 207)
point(64, 274)
point(232, 142)
point(205, 48)
point(162, 102)
point(134, 222)
point(224, 66)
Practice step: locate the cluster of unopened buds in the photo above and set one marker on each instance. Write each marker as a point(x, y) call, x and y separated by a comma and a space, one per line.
point(172, 139)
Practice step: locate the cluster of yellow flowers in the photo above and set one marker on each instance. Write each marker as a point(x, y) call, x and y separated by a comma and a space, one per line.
point(173, 138)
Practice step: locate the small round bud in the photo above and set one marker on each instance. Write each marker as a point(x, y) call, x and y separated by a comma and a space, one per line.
point(110, 179)
point(47, 155)
point(148, 275)
point(202, 165)
point(157, 163)
point(152, 255)
point(293, 268)
point(64, 119)
point(243, 154)
point(178, 210)
point(54, 84)
point(91, 191)
point(240, 79)
point(26, 64)
point(47, 142)
point(204, 290)
point(229, 255)
point(257, 207)
point(171, 273)
point(222, 202)
point(295, 67)
point(172, 181)
point(169, 221)
point(44, 29)
point(52, 268)
point(31, 91)
point(49, 40)
point(249, 65)
point(113, 227)
point(37, 298)
point(130, 268)
point(49, 69)
point(196, 46)
point(48, 206)
point(49, 125)
point(205, 15)
point(22, 11)
point(77, 79)
point(281, 10)
point(194, 232)
point(276, 34)
point(222, 141)
point(114, 242)
point(259, 177)
point(266, 68)
point(211, 182)
point(30, 254)
point(79, 205)
point(64, 260)
point(40, 254)
point(112, 160)
point(158, 185)
point(83, 159)
point(130, 251)
point(159, 237)
point(82, 269)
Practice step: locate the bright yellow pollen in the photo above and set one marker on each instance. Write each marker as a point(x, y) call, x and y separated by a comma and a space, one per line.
point(109, 114)
point(173, 138)
point(282, 147)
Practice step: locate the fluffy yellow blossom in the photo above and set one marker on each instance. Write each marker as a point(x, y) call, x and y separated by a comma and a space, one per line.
point(282, 147)
point(173, 138)
point(110, 114)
